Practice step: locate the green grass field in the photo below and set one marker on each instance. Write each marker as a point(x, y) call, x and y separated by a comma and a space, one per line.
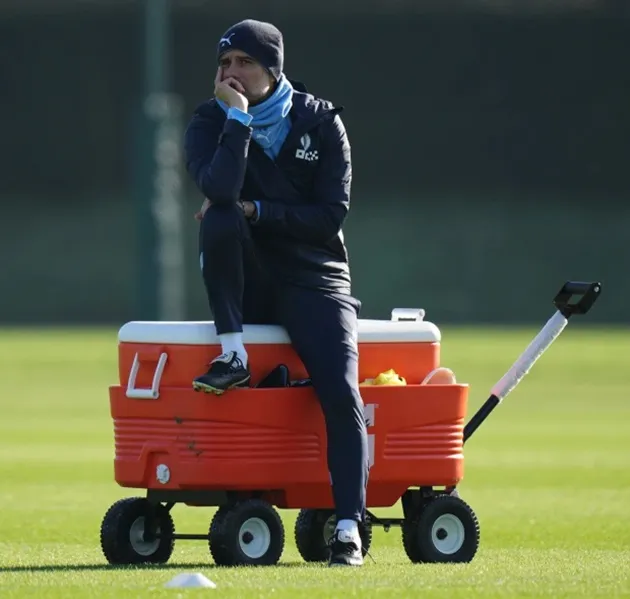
point(548, 476)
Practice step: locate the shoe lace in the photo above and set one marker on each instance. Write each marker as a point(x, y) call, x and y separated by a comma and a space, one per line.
point(370, 555)
point(225, 363)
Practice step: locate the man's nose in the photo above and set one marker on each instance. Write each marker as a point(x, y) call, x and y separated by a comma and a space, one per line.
point(230, 71)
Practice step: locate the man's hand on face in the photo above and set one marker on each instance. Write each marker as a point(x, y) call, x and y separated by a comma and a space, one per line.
point(230, 91)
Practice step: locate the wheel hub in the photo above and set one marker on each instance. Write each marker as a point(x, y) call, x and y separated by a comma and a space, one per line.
point(248, 537)
point(136, 538)
point(254, 538)
point(448, 534)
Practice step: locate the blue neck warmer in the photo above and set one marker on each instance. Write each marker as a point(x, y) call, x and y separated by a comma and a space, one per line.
point(270, 123)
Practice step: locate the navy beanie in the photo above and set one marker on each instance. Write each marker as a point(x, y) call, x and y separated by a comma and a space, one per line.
point(262, 41)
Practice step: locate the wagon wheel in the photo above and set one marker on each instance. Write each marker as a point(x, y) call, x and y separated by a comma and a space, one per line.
point(248, 533)
point(313, 529)
point(219, 555)
point(122, 533)
point(445, 530)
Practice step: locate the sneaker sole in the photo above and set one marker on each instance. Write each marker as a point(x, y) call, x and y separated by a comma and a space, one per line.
point(351, 564)
point(197, 386)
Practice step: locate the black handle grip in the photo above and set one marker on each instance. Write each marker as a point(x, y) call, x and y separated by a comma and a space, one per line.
point(588, 292)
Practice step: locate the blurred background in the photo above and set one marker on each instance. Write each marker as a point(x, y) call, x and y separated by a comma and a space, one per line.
point(490, 144)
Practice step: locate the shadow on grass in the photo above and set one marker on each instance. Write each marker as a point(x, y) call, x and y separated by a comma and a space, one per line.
point(134, 567)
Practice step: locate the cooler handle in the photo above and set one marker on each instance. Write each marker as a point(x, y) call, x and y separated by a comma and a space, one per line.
point(154, 391)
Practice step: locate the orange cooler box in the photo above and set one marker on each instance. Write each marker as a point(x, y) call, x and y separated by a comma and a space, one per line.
point(272, 442)
point(252, 449)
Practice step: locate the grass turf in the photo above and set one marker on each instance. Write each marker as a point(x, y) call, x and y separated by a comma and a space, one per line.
point(548, 476)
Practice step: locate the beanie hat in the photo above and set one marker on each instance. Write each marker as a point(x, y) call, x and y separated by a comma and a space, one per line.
point(262, 41)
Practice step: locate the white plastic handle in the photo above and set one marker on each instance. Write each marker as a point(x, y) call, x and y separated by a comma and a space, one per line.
point(154, 391)
point(549, 333)
point(413, 314)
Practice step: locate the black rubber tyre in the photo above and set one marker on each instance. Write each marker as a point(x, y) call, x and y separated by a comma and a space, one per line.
point(445, 530)
point(313, 528)
point(219, 555)
point(248, 533)
point(122, 532)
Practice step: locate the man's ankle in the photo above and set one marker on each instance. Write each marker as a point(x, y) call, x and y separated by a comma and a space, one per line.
point(234, 342)
point(349, 528)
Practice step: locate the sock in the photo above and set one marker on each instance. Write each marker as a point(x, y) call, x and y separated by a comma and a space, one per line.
point(349, 531)
point(234, 342)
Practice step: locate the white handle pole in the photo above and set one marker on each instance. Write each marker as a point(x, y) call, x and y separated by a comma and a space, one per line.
point(555, 325)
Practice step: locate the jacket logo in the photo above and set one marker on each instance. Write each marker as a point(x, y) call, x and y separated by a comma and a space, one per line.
point(226, 40)
point(303, 152)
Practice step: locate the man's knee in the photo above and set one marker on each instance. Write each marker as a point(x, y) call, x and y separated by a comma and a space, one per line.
point(219, 224)
point(340, 398)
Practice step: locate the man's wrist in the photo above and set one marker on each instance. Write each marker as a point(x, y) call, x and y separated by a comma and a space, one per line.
point(239, 115)
point(240, 104)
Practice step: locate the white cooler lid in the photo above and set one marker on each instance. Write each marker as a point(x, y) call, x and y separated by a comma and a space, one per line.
point(203, 332)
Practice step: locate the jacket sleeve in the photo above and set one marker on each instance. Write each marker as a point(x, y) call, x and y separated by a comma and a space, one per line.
point(321, 220)
point(216, 158)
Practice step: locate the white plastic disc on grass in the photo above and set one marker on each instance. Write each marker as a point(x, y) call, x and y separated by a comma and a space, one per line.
point(189, 581)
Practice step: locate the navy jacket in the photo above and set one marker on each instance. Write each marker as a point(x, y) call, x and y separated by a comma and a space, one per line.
point(304, 195)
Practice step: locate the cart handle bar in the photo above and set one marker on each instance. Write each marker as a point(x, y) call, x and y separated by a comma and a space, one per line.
point(588, 294)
